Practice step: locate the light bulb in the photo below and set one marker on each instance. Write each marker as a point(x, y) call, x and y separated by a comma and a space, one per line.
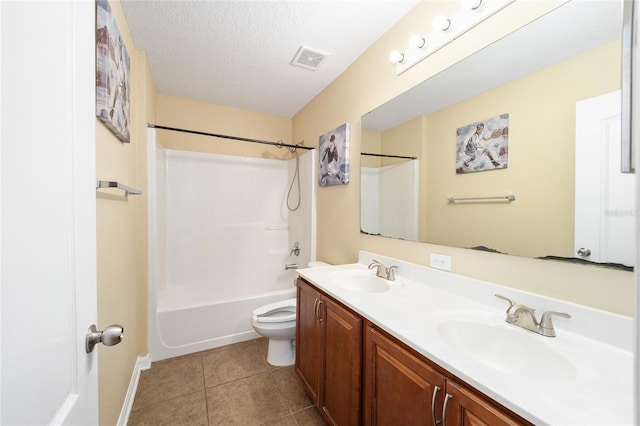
point(472, 4)
point(396, 56)
point(417, 42)
point(441, 23)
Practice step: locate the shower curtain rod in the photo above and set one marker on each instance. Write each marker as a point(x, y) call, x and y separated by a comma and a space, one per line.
point(388, 156)
point(237, 138)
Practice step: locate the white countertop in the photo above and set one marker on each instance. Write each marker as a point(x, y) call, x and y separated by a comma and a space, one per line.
point(590, 383)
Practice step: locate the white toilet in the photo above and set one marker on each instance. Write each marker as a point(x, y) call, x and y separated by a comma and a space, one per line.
point(277, 322)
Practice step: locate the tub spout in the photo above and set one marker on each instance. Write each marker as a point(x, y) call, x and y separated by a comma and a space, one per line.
point(290, 266)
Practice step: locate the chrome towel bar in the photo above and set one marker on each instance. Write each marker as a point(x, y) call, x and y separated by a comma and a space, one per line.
point(509, 197)
point(111, 184)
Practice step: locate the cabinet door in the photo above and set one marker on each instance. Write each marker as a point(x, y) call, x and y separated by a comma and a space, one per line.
point(342, 364)
point(466, 407)
point(399, 388)
point(308, 339)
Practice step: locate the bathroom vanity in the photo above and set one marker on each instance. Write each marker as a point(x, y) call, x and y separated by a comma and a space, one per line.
point(432, 347)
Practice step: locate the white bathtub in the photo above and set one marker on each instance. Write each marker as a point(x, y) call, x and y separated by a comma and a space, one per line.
point(185, 329)
point(220, 235)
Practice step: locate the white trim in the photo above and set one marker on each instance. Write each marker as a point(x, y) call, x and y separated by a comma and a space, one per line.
point(142, 363)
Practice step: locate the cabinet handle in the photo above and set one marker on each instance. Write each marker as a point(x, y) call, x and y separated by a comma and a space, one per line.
point(433, 406)
point(320, 302)
point(315, 308)
point(444, 409)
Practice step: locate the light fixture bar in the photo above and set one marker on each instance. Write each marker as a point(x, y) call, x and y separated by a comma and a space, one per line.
point(459, 23)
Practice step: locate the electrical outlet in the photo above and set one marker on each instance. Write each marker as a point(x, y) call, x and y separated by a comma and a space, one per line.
point(441, 261)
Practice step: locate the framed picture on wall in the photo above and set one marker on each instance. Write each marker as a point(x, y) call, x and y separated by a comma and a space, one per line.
point(334, 157)
point(112, 74)
point(483, 145)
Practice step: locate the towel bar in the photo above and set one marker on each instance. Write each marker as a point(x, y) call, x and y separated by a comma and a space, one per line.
point(111, 184)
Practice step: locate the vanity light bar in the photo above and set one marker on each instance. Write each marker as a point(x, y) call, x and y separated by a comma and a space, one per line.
point(457, 24)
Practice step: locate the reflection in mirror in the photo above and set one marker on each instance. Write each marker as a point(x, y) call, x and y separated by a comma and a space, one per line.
point(389, 188)
point(539, 75)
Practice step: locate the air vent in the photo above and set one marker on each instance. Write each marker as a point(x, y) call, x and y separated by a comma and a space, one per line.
point(308, 58)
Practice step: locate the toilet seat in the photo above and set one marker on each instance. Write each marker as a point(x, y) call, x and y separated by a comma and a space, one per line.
point(282, 311)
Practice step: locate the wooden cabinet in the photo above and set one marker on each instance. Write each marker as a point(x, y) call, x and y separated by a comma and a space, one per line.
point(329, 354)
point(466, 406)
point(308, 339)
point(399, 388)
point(403, 387)
point(375, 379)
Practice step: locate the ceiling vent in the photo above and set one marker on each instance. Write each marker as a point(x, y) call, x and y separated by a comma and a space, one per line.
point(308, 58)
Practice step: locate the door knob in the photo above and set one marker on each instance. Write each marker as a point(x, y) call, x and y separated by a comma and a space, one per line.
point(110, 336)
point(584, 252)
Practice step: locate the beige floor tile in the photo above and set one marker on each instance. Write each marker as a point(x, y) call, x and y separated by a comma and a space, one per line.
point(309, 417)
point(169, 379)
point(189, 409)
point(253, 400)
point(283, 421)
point(233, 362)
point(291, 388)
point(263, 344)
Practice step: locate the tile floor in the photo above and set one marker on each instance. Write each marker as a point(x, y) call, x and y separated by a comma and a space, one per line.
point(229, 385)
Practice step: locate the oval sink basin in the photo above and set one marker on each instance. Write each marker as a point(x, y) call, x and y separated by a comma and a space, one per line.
point(359, 280)
point(500, 346)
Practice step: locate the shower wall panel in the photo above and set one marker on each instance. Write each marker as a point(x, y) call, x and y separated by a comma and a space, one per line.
point(226, 224)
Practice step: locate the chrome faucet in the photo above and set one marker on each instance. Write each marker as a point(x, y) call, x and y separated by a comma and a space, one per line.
point(382, 271)
point(525, 317)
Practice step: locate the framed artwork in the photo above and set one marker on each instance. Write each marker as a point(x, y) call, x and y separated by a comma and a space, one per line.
point(112, 74)
point(334, 157)
point(483, 145)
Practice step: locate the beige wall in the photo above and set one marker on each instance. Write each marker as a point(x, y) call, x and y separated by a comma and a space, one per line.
point(121, 237)
point(203, 117)
point(371, 81)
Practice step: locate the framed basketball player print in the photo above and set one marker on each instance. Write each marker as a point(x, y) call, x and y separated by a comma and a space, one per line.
point(334, 157)
point(112, 74)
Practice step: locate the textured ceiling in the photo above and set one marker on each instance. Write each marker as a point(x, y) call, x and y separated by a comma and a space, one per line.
point(238, 53)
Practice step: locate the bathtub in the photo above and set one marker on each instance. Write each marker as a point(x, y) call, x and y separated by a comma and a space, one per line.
point(186, 326)
point(216, 252)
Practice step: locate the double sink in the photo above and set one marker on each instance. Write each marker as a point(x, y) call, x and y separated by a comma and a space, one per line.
point(480, 336)
point(583, 375)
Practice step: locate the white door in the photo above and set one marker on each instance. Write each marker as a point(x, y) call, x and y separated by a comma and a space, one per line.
point(605, 206)
point(47, 213)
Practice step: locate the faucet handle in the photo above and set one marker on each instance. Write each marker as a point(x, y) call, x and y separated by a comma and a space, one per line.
point(511, 302)
point(391, 276)
point(546, 325)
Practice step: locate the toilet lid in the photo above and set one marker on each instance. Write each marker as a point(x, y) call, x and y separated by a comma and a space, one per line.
point(282, 311)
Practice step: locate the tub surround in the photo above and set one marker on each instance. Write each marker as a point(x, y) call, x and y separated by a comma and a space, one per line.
point(210, 267)
point(590, 381)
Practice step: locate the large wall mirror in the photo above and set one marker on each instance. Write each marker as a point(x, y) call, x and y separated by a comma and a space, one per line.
point(543, 178)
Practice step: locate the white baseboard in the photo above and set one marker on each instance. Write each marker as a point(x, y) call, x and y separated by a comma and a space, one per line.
point(142, 363)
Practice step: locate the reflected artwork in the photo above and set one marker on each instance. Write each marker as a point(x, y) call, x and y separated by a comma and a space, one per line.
point(483, 145)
